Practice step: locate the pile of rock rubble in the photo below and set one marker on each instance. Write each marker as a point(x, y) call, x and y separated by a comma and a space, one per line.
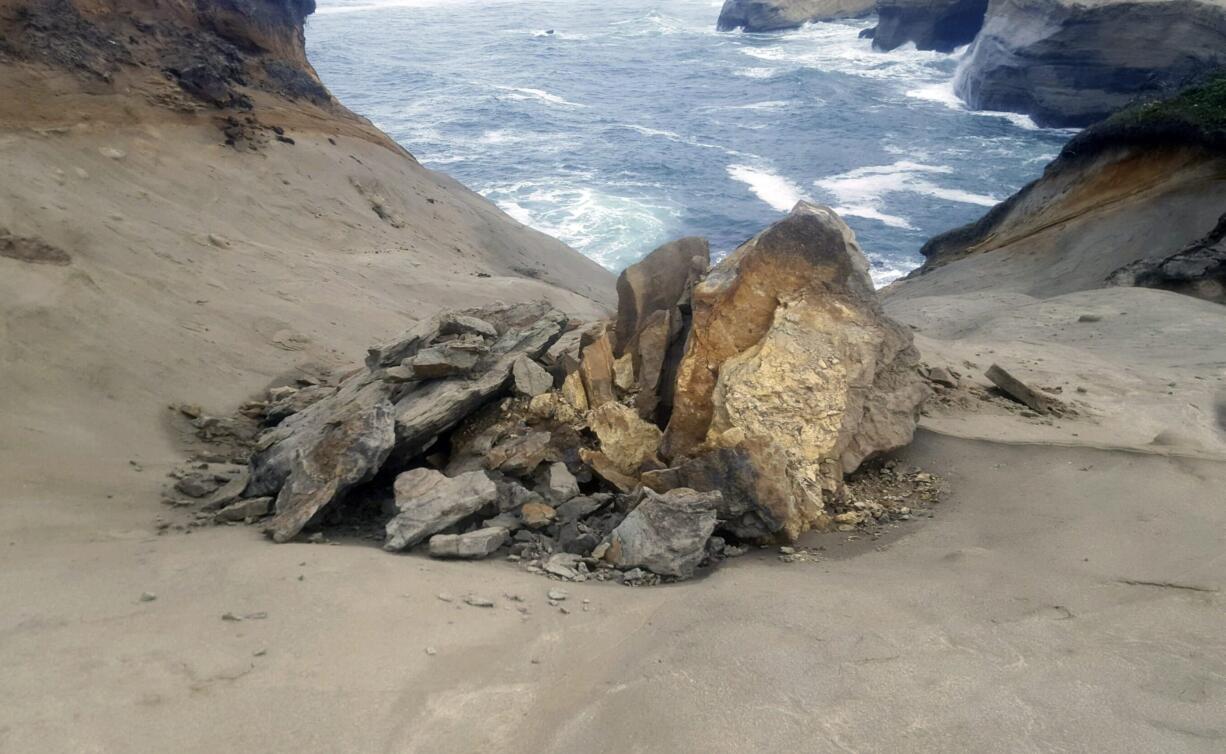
point(723, 407)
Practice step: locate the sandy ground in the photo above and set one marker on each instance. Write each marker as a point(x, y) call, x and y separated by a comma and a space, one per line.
point(1007, 622)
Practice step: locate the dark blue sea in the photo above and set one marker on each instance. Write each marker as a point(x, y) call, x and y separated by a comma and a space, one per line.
point(617, 125)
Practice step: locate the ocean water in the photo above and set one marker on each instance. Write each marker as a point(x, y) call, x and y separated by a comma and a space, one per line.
point(617, 125)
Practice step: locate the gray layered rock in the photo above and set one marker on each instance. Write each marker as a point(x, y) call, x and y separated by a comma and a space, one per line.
point(666, 534)
point(429, 502)
point(314, 457)
point(747, 496)
point(473, 545)
point(1072, 63)
point(774, 15)
point(560, 485)
point(526, 330)
point(245, 509)
point(941, 25)
point(531, 379)
point(1196, 270)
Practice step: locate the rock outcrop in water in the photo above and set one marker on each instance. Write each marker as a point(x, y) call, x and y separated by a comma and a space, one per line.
point(941, 25)
point(1073, 62)
point(774, 15)
point(782, 375)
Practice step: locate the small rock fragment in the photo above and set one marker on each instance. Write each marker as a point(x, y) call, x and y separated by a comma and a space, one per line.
point(530, 378)
point(473, 600)
point(472, 545)
point(537, 515)
point(245, 509)
point(560, 484)
point(1021, 392)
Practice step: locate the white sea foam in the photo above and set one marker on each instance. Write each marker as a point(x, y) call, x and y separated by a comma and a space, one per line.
point(757, 73)
point(837, 48)
point(523, 93)
point(611, 228)
point(768, 105)
point(864, 192)
point(673, 136)
point(942, 93)
point(777, 191)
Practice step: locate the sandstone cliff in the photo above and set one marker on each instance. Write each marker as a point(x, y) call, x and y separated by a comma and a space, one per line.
point(773, 15)
point(1118, 180)
point(187, 212)
point(941, 25)
point(1099, 281)
point(1073, 62)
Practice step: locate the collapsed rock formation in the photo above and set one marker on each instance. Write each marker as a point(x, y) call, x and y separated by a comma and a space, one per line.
point(1072, 63)
point(723, 404)
point(941, 25)
point(774, 15)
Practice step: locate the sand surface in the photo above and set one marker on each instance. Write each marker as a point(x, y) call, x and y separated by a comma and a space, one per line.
point(1004, 623)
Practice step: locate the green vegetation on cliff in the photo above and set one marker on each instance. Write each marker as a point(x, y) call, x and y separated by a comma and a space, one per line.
point(1194, 117)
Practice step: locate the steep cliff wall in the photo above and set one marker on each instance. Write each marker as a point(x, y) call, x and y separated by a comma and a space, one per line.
point(1074, 62)
point(940, 25)
point(773, 15)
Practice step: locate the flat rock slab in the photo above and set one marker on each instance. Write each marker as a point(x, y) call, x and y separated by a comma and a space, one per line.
point(473, 545)
point(429, 502)
point(1023, 393)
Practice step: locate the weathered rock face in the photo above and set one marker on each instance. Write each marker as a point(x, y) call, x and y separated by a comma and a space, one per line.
point(1068, 63)
point(659, 282)
point(666, 534)
point(791, 360)
point(940, 25)
point(212, 50)
point(1196, 270)
point(773, 15)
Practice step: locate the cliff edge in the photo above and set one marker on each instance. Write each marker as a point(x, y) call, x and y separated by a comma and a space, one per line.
point(188, 214)
point(1073, 63)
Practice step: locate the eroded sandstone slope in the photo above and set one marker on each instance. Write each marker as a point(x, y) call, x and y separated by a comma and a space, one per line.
point(187, 211)
point(1098, 281)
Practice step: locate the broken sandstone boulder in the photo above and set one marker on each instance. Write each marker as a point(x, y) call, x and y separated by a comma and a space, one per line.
point(791, 361)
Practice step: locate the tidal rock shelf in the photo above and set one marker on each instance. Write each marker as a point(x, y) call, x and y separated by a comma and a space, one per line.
point(724, 406)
